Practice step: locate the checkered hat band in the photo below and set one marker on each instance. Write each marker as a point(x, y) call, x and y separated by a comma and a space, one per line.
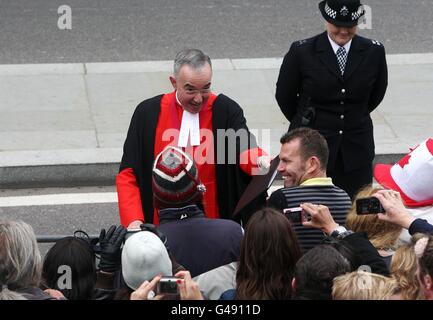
point(350, 16)
point(330, 12)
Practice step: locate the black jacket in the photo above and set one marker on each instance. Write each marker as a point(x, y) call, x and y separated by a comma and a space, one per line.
point(367, 253)
point(198, 243)
point(420, 226)
point(340, 106)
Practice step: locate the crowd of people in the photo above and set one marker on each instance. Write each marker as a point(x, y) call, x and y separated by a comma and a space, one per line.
point(273, 257)
point(179, 184)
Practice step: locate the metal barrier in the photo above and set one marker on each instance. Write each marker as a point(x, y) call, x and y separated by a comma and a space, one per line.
point(55, 238)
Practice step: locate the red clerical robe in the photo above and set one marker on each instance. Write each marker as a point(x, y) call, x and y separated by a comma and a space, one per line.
point(170, 115)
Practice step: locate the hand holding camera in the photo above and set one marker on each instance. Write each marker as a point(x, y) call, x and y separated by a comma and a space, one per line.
point(369, 205)
point(296, 215)
point(163, 286)
point(321, 218)
point(188, 288)
point(146, 290)
point(394, 210)
point(168, 286)
point(181, 285)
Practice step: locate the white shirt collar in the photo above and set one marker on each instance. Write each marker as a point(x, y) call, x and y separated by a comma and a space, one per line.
point(190, 127)
point(336, 46)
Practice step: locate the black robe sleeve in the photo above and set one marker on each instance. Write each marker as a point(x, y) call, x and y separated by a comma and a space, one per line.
point(231, 180)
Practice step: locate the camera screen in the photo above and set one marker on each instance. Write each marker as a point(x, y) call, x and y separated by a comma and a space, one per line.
point(167, 286)
point(370, 205)
point(294, 214)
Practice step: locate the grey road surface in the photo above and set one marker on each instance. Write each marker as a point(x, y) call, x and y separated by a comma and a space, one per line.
point(62, 219)
point(135, 30)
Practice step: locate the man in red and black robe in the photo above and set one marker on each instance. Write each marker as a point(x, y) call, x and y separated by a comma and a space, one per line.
point(194, 118)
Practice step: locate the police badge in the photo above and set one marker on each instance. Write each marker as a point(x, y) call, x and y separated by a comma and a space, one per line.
point(344, 11)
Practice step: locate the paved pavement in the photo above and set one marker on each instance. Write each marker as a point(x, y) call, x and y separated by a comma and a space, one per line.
point(65, 124)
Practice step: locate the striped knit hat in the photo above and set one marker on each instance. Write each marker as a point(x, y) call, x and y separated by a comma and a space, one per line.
point(175, 180)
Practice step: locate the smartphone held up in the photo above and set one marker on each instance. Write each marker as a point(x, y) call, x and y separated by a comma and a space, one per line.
point(296, 215)
point(369, 205)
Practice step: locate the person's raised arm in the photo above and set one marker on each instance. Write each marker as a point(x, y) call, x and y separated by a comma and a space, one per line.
point(396, 212)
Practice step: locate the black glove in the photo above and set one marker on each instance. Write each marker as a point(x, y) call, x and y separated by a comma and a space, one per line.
point(110, 252)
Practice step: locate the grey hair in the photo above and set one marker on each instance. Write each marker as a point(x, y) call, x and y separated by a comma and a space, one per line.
point(192, 57)
point(20, 259)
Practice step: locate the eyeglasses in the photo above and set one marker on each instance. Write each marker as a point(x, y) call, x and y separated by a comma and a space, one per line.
point(194, 92)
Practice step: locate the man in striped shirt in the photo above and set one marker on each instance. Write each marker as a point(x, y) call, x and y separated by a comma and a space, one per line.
point(303, 160)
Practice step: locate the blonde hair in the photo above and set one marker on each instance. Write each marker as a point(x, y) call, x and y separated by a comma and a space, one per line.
point(403, 270)
point(360, 285)
point(382, 234)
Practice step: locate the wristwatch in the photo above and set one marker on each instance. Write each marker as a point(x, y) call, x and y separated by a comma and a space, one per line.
point(340, 233)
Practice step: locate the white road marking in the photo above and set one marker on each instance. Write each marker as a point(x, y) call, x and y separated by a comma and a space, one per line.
point(58, 199)
point(86, 198)
point(70, 198)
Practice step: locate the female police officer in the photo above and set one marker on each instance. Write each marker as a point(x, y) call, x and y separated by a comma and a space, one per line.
point(331, 82)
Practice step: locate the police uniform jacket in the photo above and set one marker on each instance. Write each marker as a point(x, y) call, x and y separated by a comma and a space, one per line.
point(311, 92)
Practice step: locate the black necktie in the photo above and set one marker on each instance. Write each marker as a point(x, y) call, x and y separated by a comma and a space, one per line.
point(342, 58)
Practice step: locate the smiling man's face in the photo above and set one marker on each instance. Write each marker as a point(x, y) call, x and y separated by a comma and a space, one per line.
point(193, 87)
point(292, 167)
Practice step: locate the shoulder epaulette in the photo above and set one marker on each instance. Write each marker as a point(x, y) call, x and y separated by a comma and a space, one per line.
point(301, 42)
point(377, 43)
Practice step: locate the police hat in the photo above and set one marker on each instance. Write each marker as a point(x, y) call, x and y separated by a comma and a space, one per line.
point(342, 13)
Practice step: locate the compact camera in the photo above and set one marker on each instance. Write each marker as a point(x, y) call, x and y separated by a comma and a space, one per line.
point(295, 215)
point(370, 205)
point(167, 286)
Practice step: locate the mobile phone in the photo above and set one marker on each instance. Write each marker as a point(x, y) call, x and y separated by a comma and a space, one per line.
point(167, 286)
point(295, 215)
point(369, 205)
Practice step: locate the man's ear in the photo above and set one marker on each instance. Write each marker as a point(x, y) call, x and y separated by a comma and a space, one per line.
point(294, 285)
point(173, 82)
point(313, 164)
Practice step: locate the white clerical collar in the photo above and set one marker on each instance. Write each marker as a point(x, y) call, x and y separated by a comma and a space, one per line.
point(335, 46)
point(190, 126)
